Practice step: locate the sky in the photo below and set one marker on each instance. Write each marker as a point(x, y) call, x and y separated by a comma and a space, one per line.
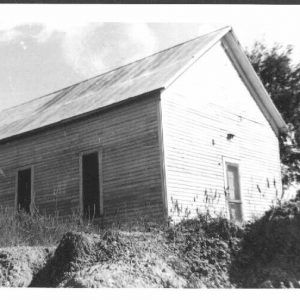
point(44, 48)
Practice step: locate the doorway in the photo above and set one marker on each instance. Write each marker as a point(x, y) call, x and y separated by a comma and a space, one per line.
point(233, 192)
point(90, 185)
point(24, 190)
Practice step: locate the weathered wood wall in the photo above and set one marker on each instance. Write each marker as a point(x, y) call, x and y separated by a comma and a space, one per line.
point(198, 110)
point(128, 137)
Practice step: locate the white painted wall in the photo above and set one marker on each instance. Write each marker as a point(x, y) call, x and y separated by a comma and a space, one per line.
point(198, 111)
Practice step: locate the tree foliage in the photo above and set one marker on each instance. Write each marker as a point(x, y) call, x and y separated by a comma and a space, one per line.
point(281, 79)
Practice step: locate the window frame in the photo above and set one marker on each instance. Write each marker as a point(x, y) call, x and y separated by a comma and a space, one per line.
point(32, 193)
point(100, 168)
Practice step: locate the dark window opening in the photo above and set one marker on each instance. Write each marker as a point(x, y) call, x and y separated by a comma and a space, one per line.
point(24, 190)
point(90, 185)
point(234, 193)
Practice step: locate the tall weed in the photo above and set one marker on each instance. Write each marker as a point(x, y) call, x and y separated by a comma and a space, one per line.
point(22, 229)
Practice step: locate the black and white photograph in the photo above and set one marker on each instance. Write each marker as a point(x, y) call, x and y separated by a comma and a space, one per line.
point(149, 146)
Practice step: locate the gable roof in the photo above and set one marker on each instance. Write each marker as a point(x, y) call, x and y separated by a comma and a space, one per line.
point(151, 73)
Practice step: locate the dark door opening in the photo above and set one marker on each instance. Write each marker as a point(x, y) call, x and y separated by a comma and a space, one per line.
point(90, 185)
point(24, 190)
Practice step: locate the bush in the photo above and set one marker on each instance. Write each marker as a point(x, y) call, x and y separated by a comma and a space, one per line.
point(269, 255)
point(205, 245)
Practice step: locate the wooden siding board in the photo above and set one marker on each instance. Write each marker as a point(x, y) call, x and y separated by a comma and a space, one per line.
point(128, 137)
point(204, 105)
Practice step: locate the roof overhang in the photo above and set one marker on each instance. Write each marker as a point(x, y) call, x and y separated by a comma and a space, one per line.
point(252, 81)
point(153, 93)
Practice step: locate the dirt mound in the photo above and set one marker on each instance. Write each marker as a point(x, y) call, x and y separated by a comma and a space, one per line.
point(203, 252)
point(75, 251)
point(269, 254)
point(121, 275)
point(114, 259)
point(18, 265)
point(191, 254)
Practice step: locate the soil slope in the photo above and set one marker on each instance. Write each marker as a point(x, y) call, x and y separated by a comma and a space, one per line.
point(199, 253)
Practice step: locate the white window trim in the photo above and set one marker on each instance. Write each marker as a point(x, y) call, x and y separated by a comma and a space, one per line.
point(81, 154)
point(32, 200)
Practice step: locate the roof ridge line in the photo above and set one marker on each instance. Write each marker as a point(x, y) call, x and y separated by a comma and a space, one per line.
point(111, 70)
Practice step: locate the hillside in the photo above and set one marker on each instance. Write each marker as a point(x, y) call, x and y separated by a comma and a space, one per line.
point(203, 252)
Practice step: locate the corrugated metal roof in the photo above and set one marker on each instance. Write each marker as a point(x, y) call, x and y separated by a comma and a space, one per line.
point(142, 76)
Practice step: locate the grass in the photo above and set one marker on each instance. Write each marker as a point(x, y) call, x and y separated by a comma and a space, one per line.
point(201, 252)
point(194, 253)
point(148, 254)
point(22, 229)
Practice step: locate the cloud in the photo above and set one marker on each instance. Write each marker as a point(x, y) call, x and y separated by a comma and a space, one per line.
point(78, 26)
point(89, 48)
point(12, 32)
point(8, 35)
point(96, 48)
point(23, 45)
point(76, 49)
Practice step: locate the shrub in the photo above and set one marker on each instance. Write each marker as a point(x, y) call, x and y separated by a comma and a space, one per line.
point(205, 245)
point(269, 254)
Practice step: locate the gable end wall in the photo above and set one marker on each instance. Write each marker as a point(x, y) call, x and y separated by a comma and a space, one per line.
point(198, 111)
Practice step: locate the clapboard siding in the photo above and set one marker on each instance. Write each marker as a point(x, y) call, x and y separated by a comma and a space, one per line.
point(199, 109)
point(127, 136)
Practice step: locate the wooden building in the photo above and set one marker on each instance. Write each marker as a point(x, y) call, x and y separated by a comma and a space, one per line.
point(187, 129)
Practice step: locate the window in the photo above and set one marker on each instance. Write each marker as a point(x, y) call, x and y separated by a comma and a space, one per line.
point(24, 189)
point(233, 192)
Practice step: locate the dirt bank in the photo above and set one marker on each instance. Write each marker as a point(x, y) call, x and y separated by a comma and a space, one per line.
point(199, 253)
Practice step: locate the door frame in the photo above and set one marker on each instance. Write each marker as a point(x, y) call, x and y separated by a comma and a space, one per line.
point(236, 162)
point(81, 154)
point(25, 167)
